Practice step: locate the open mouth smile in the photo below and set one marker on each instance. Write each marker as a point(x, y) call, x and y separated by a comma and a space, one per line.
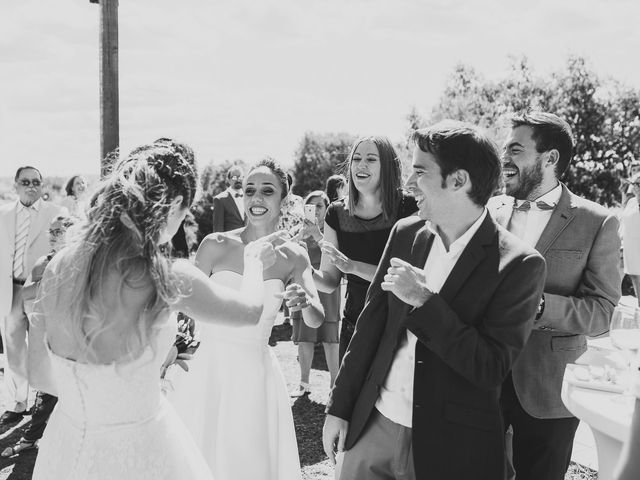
point(257, 211)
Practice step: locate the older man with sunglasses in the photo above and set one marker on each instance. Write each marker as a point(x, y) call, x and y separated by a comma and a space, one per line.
point(23, 239)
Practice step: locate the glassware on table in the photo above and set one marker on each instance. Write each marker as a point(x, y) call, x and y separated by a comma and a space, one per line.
point(624, 332)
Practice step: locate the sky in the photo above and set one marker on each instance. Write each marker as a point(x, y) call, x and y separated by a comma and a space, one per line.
point(241, 79)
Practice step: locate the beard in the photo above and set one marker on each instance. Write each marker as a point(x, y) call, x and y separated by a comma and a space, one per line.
point(529, 179)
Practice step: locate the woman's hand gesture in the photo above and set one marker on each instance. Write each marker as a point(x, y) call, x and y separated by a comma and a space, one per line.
point(337, 258)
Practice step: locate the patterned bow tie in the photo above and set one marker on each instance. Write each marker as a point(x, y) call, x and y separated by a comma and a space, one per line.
point(539, 205)
point(237, 195)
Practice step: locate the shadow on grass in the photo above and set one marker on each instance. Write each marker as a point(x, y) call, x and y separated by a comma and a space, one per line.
point(21, 465)
point(308, 418)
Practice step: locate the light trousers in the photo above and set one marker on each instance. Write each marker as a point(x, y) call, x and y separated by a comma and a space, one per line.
point(14, 338)
point(383, 452)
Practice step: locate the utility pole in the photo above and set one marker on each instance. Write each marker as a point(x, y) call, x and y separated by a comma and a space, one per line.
point(109, 104)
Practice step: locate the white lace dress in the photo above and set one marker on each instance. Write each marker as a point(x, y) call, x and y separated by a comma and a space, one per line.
point(112, 422)
point(234, 398)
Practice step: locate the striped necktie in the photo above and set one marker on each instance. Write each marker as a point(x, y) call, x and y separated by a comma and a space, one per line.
point(24, 221)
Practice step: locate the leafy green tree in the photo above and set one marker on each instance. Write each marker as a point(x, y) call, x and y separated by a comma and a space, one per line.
point(604, 116)
point(317, 158)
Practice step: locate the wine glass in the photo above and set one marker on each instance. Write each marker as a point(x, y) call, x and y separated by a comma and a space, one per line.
point(624, 332)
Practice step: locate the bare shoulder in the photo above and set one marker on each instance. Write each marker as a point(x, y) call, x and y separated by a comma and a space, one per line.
point(220, 240)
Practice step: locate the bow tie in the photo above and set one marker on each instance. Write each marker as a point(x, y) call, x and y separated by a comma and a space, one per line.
point(527, 205)
point(237, 195)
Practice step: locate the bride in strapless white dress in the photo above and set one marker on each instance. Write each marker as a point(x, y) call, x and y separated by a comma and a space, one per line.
point(105, 302)
point(234, 398)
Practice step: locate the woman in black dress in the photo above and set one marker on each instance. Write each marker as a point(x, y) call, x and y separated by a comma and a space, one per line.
point(357, 227)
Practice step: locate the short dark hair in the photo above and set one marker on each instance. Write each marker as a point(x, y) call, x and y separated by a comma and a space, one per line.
point(68, 188)
point(549, 132)
point(462, 146)
point(26, 167)
point(317, 194)
point(334, 182)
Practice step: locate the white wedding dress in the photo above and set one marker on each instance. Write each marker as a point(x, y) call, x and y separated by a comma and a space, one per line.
point(234, 398)
point(112, 423)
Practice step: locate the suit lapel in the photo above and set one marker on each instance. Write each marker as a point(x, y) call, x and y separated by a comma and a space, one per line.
point(561, 217)
point(421, 247)
point(471, 256)
point(232, 205)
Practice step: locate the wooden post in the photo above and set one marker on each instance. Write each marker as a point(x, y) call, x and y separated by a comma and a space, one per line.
point(109, 104)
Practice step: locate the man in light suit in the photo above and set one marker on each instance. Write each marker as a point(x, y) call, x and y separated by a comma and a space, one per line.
point(228, 206)
point(579, 241)
point(23, 240)
point(450, 308)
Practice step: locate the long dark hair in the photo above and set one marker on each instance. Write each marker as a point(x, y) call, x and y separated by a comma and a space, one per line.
point(390, 177)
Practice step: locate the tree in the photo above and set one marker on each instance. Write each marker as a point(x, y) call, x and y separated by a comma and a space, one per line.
point(604, 116)
point(317, 158)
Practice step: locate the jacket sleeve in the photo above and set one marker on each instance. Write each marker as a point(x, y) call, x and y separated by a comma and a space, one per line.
point(588, 311)
point(363, 346)
point(218, 215)
point(484, 353)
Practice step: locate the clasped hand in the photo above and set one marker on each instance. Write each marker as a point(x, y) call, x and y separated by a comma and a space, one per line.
point(406, 282)
point(336, 257)
point(295, 297)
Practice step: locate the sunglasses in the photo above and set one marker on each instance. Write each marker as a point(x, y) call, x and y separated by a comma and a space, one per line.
point(25, 182)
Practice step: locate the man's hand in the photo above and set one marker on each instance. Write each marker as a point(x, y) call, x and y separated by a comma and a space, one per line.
point(334, 428)
point(406, 282)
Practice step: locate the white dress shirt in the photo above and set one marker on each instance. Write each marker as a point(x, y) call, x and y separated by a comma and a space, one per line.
point(529, 225)
point(396, 395)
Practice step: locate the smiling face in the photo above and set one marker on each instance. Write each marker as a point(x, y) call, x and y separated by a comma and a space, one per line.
point(28, 185)
point(262, 196)
point(235, 178)
point(365, 167)
point(522, 165)
point(428, 187)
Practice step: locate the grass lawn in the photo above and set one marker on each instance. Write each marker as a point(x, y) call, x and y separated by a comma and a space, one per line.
point(308, 413)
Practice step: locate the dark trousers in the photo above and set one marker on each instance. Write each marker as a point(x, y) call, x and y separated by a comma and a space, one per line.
point(41, 412)
point(541, 447)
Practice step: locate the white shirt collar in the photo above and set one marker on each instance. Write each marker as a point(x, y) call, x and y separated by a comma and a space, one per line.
point(233, 191)
point(35, 205)
point(552, 197)
point(463, 240)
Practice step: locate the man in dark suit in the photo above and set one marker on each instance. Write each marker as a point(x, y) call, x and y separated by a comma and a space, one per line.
point(228, 207)
point(579, 241)
point(450, 308)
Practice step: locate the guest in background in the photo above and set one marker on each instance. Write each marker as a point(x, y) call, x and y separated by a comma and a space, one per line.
point(327, 333)
point(336, 187)
point(228, 210)
point(357, 227)
point(291, 217)
point(25, 223)
point(39, 368)
point(626, 187)
point(580, 244)
point(76, 189)
point(630, 233)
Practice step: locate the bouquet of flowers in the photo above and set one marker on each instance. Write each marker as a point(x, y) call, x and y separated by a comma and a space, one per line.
point(183, 348)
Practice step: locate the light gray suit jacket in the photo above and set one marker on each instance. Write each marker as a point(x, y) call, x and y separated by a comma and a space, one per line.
point(581, 247)
point(37, 244)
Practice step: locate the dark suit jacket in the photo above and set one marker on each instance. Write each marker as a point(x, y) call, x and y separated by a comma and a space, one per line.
point(469, 335)
point(226, 215)
point(581, 247)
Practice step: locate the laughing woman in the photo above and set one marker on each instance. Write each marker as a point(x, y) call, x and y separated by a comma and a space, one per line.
point(245, 426)
point(357, 227)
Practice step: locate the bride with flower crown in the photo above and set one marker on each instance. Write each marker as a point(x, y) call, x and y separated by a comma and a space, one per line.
point(234, 398)
point(105, 302)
